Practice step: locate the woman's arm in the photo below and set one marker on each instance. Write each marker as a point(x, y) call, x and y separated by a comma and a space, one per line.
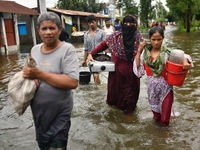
point(62, 81)
point(138, 67)
point(99, 48)
point(187, 62)
point(64, 76)
point(138, 63)
point(139, 52)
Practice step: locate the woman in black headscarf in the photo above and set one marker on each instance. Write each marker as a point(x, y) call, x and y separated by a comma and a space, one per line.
point(123, 85)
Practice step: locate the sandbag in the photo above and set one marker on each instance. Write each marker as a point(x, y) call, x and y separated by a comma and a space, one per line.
point(21, 90)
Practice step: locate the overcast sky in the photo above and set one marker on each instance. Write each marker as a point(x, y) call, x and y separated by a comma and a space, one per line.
point(33, 3)
point(51, 3)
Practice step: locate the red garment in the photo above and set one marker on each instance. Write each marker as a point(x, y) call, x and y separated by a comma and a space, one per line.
point(153, 25)
point(149, 72)
point(164, 117)
point(123, 85)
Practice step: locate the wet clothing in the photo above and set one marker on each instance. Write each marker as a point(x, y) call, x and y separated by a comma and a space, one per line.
point(91, 42)
point(53, 145)
point(51, 106)
point(160, 93)
point(123, 84)
point(164, 116)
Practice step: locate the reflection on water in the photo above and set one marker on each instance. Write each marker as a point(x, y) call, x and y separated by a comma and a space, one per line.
point(96, 126)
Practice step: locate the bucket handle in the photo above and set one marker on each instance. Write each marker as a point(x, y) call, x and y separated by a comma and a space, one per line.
point(183, 72)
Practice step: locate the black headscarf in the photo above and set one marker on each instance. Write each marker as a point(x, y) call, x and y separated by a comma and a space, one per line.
point(129, 33)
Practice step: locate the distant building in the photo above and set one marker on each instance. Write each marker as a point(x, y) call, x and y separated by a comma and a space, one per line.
point(70, 17)
point(9, 31)
point(112, 13)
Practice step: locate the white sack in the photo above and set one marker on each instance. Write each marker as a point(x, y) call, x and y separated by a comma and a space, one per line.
point(21, 90)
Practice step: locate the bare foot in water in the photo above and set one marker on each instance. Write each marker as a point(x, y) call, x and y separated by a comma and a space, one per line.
point(96, 79)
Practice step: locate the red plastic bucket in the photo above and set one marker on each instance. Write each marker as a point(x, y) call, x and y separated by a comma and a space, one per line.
point(175, 74)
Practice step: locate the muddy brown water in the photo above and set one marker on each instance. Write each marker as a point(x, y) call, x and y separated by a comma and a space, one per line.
point(96, 126)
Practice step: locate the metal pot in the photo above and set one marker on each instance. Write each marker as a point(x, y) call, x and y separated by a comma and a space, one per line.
point(102, 63)
point(176, 56)
point(102, 57)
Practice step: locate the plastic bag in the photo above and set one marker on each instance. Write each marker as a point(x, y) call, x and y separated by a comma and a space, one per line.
point(21, 90)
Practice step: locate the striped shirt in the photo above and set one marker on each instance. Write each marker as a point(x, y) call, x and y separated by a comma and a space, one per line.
point(91, 42)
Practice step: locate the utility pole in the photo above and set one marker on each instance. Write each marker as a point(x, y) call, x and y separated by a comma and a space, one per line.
point(139, 10)
point(41, 5)
point(156, 9)
point(112, 8)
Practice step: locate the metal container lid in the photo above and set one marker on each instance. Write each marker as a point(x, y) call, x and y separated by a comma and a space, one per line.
point(176, 56)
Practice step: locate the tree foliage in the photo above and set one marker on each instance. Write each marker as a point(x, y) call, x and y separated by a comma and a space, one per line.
point(81, 5)
point(161, 11)
point(149, 12)
point(184, 10)
point(146, 10)
point(129, 7)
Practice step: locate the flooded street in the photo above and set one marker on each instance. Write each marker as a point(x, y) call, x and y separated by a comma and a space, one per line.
point(97, 126)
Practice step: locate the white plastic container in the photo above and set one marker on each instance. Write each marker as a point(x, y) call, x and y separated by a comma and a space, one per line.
point(176, 56)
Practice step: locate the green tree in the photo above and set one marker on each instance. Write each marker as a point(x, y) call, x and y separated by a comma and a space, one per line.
point(129, 6)
point(146, 10)
point(185, 10)
point(157, 11)
point(81, 5)
point(161, 11)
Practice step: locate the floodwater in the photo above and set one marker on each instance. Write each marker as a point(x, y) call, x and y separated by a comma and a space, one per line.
point(97, 126)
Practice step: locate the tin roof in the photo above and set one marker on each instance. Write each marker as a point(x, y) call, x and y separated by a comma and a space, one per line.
point(77, 13)
point(13, 7)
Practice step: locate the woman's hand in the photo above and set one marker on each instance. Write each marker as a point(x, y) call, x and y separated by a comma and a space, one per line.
point(186, 64)
point(141, 47)
point(83, 63)
point(90, 58)
point(139, 52)
point(30, 73)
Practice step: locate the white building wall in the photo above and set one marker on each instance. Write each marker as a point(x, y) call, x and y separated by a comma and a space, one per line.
point(105, 1)
point(111, 13)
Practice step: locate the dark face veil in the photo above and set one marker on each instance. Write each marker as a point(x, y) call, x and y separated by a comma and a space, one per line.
point(129, 34)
